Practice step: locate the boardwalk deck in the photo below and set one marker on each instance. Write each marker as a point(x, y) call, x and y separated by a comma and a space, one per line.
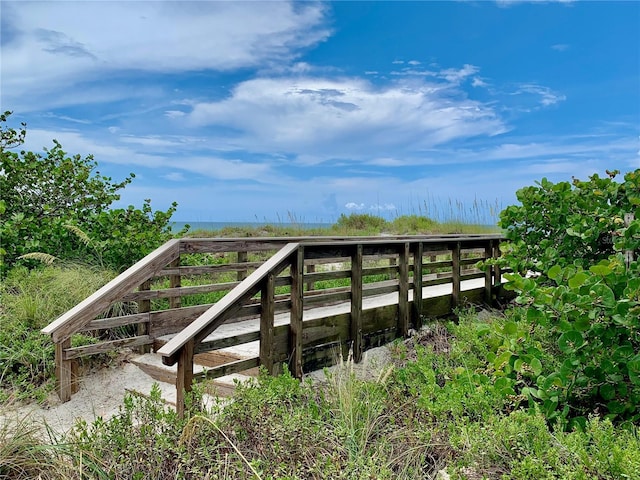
point(252, 326)
point(184, 314)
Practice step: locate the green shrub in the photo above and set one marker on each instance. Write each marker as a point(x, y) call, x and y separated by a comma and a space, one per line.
point(360, 224)
point(585, 291)
point(41, 194)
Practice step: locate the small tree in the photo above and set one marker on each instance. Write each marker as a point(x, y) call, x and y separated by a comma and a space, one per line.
point(42, 193)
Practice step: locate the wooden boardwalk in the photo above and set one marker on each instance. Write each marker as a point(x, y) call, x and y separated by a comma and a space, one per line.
point(235, 304)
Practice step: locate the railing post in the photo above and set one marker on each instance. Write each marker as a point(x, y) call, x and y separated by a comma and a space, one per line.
point(488, 274)
point(311, 268)
point(393, 261)
point(267, 312)
point(175, 282)
point(66, 372)
point(455, 274)
point(497, 274)
point(144, 306)
point(184, 378)
point(242, 274)
point(295, 324)
point(356, 302)
point(417, 287)
point(403, 291)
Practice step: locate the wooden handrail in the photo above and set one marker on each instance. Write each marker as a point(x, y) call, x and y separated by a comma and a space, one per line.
point(83, 313)
point(214, 316)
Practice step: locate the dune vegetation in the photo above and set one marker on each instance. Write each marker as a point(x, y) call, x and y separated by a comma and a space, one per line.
point(547, 388)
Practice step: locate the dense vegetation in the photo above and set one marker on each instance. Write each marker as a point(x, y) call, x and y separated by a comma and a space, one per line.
point(550, 388)
point(58, 204)
point(572, 247)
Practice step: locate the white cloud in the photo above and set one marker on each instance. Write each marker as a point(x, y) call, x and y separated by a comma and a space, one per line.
point(174, 113)
point(547, 96)
point(456, 75)
point(322, 118)
point(386, 207)
point(354, 206)
point(478, 82)
point(175, 176)
point(413, 62)
point(560, 47)
point(82, 41)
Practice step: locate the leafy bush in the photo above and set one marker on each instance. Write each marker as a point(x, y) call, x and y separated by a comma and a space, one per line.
point(42, 194)
point(584, 290)
point(360, 224)
point(576, 223)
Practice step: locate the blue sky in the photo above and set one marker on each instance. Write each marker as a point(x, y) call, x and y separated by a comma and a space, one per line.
point(245, 111)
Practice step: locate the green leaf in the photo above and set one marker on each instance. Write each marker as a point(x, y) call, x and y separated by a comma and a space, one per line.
point(607, 391)
point(578, 280)
point(570, 341)
point(536, 366)
point(601, 270)
point(510, 328)
point(555, 273)
point(601, 293)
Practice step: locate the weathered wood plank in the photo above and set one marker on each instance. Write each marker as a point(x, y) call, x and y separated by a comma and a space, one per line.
point(185, 270)
point(213, 317)
point(356, 303)
point(109, 346)
point(64, 375)
point(113, 322)
point(228, 369)
point(242, 272)
point(92, 306)
point(330, 275)
point(297, 311)
point(455, 274)
point(144, 307)
point(488, 275)
point(174, 284)
point(266, 322)
point(416, 310)
point(324, 299)
point(403, 291)
point(184, 376)
point(209, 345)
point(180, 291)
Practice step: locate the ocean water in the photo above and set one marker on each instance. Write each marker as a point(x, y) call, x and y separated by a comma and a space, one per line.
point(177, 226)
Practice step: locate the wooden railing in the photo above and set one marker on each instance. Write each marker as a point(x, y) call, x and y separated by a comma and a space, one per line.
point(191, 286)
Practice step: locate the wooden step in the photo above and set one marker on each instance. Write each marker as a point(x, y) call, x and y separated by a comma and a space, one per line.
point(152, 365)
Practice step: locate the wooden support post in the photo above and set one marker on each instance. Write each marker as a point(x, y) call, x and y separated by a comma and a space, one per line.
point(497, 274)
point(416, 311)
point(403, 291)
point(393, 261)
point(311, 268)
point(144, 306)
point(242, 273)
point(175, 282)
point(184, 378)
point(488, 274)
point(65, 375)
point(455, 274)
point(295, 326)
point(356, 302)
point(267, 312)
